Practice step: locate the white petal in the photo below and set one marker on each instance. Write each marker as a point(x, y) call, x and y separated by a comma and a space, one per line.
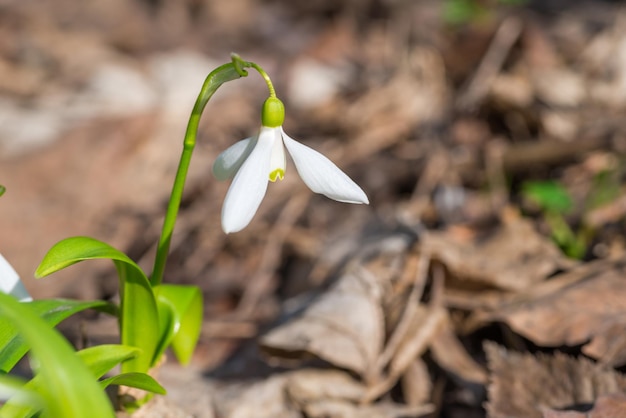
point(249, 186)
point(229, 161)
point(321, 175)
point(10, 282)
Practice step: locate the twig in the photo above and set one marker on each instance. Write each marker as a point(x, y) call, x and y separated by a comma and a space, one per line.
point(479, 85)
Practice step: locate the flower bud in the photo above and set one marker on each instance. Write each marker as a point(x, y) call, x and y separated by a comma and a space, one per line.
point(273, 114)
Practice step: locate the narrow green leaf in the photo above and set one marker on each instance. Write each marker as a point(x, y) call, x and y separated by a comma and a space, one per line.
point(14, 388)
point(141, 381)
point(138, 316)
point(70, 389)
point(53, 311)
point(101, 359)
point(186, 305)
point(167, 327)
point(75, 249)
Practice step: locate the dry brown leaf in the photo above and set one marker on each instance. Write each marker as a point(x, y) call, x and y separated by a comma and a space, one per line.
point(523, 385)
point(342, 409)
point(305, 386)
point(416, 384)
point(514, 257)
point(449, 354)
point(609, 346)
point(344, 326)
point(593, 307)
point(424, 326)
point(609, 406)
point(262, 399)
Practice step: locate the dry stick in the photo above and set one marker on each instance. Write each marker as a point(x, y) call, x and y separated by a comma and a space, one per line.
point(479, 85)
point(496, 176)
point(404, 324)
point(400, 332)
point(272, 253)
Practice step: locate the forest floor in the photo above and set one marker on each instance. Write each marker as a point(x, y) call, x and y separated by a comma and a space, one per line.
point(487, 276)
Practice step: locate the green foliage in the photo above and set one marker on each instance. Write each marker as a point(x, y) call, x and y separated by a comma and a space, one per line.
point(549, 196)
point(606, 187)
point(2, 189)
point(70, 389)
point(555, 202)
point(185, 305)
point(99, 360)
point(141, 381)
point(13, 388)
point(139, 320)
point(467, 11)
point(12, 344)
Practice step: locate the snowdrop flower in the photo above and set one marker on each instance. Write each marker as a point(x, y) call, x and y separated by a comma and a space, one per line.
point(254, 161)
point(10, 282)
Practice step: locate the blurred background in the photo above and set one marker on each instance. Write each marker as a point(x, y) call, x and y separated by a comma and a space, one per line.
point(447, 113)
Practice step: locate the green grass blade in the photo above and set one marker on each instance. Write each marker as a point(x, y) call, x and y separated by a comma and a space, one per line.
point(99, 360)
point(141, 381)
point(69, 390)
point(15, 388)
point(138, 313)
point(53, 311)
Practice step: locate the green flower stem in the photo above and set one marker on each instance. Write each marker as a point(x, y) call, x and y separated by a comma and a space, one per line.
point(214, 80)
point(2, 189)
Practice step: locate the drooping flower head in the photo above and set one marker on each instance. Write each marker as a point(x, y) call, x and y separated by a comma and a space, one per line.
point(256, 160)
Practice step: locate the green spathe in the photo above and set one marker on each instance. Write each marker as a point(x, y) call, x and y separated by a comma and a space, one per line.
point(273, 114)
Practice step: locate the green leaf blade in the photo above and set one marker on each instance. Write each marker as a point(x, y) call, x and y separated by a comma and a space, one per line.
point(187, 307)
point(70, 388)
point(53, 311)
point(141, 381)
point(139, 321)
point(101, 359)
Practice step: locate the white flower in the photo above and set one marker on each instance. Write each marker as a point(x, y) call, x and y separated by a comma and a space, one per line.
point(10, 282)
point(254, 161)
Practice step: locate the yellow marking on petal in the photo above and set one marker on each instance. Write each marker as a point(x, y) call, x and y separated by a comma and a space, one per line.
point(277, 174)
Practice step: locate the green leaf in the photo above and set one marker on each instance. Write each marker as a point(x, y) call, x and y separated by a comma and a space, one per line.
point(462, 11)
point(139, 321)
point(606, 187)
point(2, 189)
point(53, 311)
point(167, 327)
point(549, 195)
point(101, 359)
point(15, 388)
point(185, 303)
point(69, 388)
point(141, 381)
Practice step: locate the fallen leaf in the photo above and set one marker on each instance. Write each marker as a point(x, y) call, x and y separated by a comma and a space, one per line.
point(450, 355)
point(513, 256)
point(310, 385)
point(344, 326)
point(608, 406)
point(342, 409)
point(261, 399)
point(524, 385)
point(591, 307)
